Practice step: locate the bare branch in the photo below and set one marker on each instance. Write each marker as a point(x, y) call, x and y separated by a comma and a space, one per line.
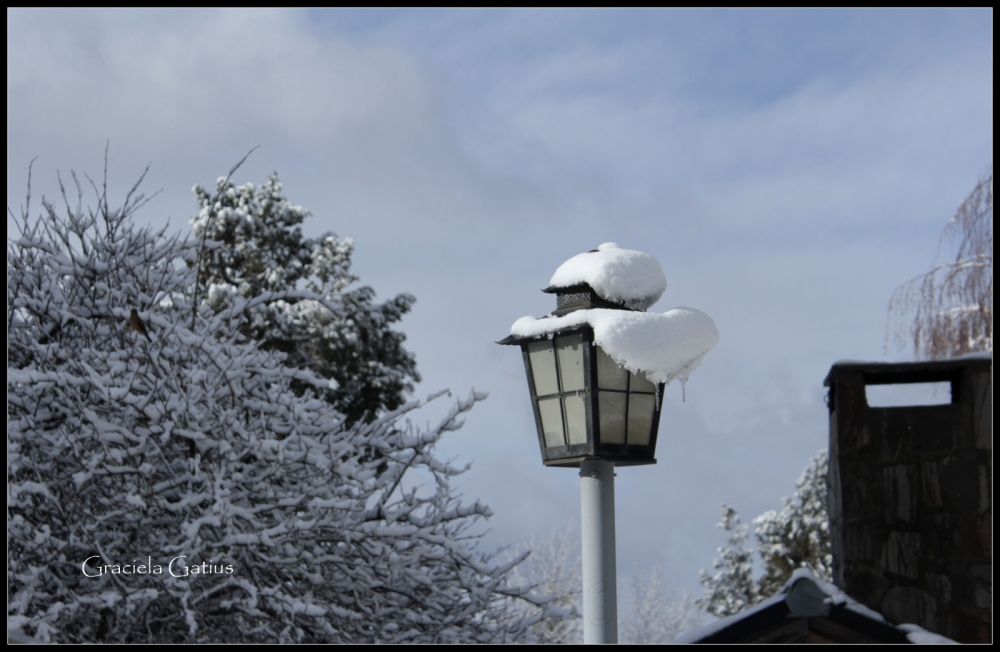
point(952, 304)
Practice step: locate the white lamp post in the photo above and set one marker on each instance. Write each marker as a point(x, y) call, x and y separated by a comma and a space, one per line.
point(591, 415)
point(592, 412)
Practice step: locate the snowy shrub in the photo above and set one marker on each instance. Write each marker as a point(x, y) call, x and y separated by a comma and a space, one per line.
point(179, 490)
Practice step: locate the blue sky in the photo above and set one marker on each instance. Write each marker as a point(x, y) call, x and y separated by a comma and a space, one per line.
point(787, 168)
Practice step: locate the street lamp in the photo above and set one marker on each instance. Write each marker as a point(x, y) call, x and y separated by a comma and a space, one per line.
point(587, 407)
point(596, 368)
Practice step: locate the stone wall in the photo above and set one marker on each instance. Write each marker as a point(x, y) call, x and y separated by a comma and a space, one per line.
point(910, 496)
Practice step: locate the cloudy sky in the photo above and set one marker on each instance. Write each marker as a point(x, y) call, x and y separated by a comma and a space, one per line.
point(788, 169)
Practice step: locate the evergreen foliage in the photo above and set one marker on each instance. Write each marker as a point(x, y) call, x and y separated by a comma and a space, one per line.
point(191, 450)
point(257, 249)
point(798, 536)
point(731, 589)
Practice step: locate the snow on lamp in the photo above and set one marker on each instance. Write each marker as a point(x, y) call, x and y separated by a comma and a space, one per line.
point(597, 366)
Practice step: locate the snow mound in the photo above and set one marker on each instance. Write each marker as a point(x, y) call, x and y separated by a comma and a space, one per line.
point(623, 276)
point(660, 346)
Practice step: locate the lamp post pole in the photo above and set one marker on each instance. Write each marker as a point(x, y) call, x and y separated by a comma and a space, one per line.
point(600, 583)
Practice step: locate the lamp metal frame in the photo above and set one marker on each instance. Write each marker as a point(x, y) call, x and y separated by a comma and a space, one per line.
point(571, 455)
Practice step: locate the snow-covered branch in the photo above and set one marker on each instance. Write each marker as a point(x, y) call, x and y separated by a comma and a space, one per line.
point(183, 489)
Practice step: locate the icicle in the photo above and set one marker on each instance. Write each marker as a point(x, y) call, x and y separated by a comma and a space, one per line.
point(683, 392)
point(657, 397)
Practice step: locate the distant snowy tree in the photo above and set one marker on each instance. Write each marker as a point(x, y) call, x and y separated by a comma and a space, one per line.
point(731, 589)
point(651, 614)
point(648, 612)
point(179, 490)
point(799, 535)
point(551, 571)
point(796, 537)
point(952, 305)
point(258, 248)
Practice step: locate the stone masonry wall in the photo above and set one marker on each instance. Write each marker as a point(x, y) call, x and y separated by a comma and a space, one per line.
point(910, 496)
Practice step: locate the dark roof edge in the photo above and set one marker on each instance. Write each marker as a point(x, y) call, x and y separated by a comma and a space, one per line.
point(803, 597)
point(569, 289)
point(745, 626)
point(519, 339)
point(883, 632)
point(983, 360)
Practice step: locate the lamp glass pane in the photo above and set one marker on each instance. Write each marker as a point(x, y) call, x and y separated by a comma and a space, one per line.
point(641, 384)
point(609, 374)
point(640, 418)
point(543, 367)
point(570, 352)
point(552, 422)
point(576, 418)
point(612, 408)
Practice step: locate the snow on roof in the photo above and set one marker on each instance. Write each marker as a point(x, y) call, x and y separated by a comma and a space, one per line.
point(921, 636)
point(661, 346)
point(978, 355)
point(915, 633)
point(705, 631)
point(623, 276)
point(835, 597)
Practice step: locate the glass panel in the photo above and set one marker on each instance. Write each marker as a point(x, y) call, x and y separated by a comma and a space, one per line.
point(640, 418)
point(641, 384)
point(552, 424)
point(576, 418)
point(609, 374)
point(612, 408)
point(570, 351)
point(543, 367)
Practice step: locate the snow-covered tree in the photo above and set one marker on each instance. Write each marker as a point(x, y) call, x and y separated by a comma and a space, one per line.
point(651, 614)
point(799, 535)
point(948, 311)
point(552, 568)
point(260, 249)
point(731, 589)
point(177, 489)
point(796, 537)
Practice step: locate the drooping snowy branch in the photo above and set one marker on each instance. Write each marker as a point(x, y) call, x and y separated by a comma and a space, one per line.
point(948, 311)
